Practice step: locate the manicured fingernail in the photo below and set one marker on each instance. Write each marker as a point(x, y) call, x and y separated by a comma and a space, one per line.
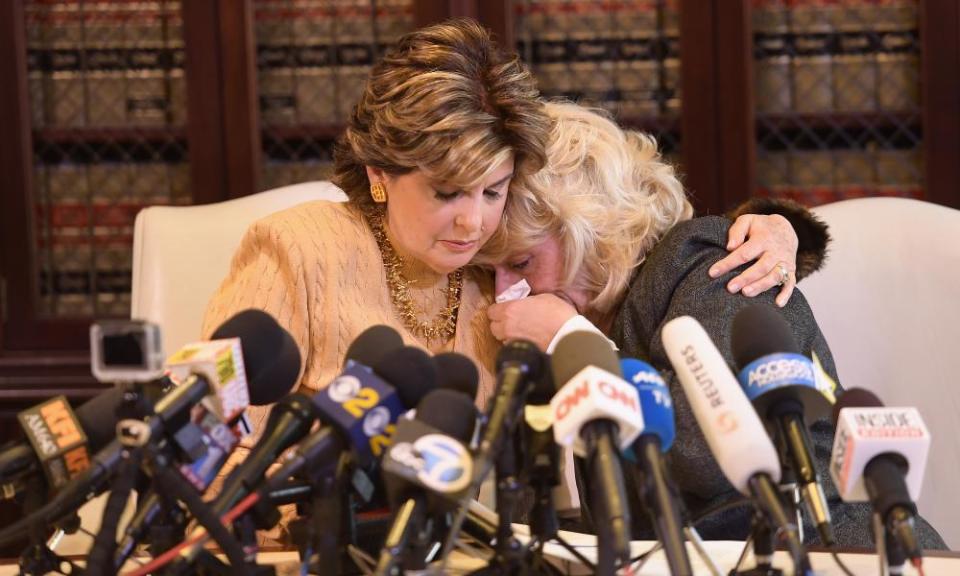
point(714, 272)
point(733, 287)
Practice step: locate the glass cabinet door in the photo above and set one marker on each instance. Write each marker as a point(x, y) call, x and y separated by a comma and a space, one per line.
point(107, 100)
point(837, 87)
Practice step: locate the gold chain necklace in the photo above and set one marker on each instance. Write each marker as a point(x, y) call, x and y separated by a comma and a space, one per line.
point(443, 327)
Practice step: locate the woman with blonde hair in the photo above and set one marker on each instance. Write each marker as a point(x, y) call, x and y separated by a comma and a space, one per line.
point(605, 238)
point(446, 126)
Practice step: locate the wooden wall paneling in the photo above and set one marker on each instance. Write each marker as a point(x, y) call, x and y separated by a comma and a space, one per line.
point(497, 15)
point(15, 162)
point(717, 122)
point(223, 110)
point(241, 109)
point(208, 181)
point(698, 121)
point(940, 99)
point(736, 121)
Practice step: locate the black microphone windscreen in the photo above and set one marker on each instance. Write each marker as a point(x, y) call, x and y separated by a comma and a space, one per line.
point(373, 344)
point(450, 412)
point(855, 398)
point(760, 330)
point(98, 417)
point(580, 349)
point(270, 355)
point(523, 352)
point(410, 371)
point(542, 390)
point(457, 372)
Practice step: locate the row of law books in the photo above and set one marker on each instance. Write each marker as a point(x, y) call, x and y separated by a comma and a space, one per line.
point(110, 64)
point(313, 57)
point(814, 56)
point(623, 56)
point(83, 234)
point(820, 176)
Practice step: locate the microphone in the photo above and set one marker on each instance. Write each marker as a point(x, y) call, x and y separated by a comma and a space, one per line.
point(879, 454)
point(781, 383)
point(729, 423)
point(342, 429)
point(357, 410)
point(271, 358)
point(457, 372)
point(519, 363)
point(363, 407)
point(289, 420)
point(541, 462)
point(372, 345)
point(658, 493)
point(427, 470)
point(59, 441)
point(598, 414)
point(270, 361)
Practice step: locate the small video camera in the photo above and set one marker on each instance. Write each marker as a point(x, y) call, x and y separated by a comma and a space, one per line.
point(126, 351)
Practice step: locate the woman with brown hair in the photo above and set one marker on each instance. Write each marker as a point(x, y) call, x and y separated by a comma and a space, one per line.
point(446, 126)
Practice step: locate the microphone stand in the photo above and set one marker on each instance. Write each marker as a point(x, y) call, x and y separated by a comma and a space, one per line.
point(159, 520)
point(762, 537)
point(656, 493)
point(321, 529)
point(891, 554)
point(39, 558)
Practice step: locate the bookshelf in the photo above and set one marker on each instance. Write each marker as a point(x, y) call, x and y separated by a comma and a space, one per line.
point(109, 106)
point(837, 88)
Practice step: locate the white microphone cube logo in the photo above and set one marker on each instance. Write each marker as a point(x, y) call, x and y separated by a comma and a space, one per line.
point(375, 422)
point(863, 433)
point(594, 394)
point(441, 463)
point(343, 388)
point(447, 464)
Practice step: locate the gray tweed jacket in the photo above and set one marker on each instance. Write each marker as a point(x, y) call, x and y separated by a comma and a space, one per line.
point(672, 282)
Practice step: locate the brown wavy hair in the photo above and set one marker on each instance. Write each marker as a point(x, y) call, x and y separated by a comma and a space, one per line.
point(445, 100)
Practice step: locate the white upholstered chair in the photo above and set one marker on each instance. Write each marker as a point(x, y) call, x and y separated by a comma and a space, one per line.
point(888, 302)
point(182, 253)
point(180, 256)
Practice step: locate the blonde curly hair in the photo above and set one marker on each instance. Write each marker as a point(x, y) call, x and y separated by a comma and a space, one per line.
point(605, 194)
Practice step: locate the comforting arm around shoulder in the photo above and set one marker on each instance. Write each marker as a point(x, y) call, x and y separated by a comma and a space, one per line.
point(812, 234)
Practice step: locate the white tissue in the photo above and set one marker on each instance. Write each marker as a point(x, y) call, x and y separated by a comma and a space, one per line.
point(519, 290)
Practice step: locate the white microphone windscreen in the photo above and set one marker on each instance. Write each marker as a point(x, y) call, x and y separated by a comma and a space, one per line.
point(595, 394)
point(733, 430)
point(863, 433)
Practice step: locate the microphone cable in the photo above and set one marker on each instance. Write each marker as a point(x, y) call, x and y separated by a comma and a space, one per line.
point(199, 536)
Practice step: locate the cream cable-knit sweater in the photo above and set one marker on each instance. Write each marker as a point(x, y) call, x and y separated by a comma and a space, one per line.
point(317, 269)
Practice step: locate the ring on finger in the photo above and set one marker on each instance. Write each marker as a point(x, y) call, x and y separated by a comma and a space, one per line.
point(784, 273)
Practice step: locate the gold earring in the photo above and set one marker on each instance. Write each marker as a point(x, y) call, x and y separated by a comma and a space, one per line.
point(378, 192)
